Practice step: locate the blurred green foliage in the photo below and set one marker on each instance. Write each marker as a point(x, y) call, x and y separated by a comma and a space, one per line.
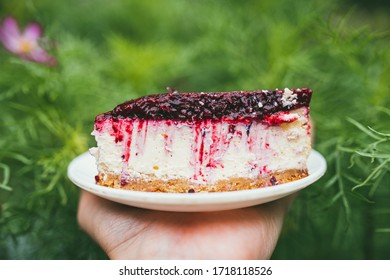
point(112, 51)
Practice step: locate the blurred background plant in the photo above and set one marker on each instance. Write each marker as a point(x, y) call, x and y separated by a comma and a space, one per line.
point(107, 52)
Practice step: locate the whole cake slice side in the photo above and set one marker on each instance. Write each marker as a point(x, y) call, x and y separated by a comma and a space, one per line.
point(214, 141)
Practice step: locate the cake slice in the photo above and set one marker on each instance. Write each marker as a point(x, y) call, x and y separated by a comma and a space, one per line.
point(195, 142)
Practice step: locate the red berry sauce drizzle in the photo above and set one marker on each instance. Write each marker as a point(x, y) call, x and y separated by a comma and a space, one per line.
point(202, 111)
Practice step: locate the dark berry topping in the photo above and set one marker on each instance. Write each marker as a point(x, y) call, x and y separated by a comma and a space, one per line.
point(229, 106)
point(232, 128)
point(273, 181)
point(248, 129)
point(191, 191)
point(124, 182)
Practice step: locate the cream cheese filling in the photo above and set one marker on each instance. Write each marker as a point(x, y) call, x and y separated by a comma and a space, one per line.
point(204, 152)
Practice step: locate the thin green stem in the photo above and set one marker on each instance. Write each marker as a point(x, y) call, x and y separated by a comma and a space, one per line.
point(372, 175)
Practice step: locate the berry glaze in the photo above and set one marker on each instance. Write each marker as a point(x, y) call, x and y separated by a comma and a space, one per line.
point(243, 106)
point(215, 118)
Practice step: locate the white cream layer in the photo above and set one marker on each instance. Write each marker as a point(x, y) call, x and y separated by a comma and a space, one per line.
point(202, 153)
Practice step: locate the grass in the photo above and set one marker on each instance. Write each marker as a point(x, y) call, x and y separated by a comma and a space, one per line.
point(125, 49)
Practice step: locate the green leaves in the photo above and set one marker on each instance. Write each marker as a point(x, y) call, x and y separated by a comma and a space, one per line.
point(125, 49)
point(4, 179)
point(143, 66)
point(379, 153)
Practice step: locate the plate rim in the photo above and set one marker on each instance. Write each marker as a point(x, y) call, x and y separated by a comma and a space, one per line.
point(196, 199)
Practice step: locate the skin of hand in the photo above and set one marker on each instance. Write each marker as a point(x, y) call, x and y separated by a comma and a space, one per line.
point(125, 232)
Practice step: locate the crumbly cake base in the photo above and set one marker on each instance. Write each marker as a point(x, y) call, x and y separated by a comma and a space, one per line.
point(153, 184)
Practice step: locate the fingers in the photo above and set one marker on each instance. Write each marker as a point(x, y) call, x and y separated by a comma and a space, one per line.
point(269, 225)
point(88, 213)
point(126, 232)
point(111, 224)
point(98, 217)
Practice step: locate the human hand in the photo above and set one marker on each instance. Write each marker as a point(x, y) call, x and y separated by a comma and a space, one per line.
point(125, 232)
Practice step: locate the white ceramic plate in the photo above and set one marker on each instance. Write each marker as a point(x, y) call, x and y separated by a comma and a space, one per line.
point(82, 171)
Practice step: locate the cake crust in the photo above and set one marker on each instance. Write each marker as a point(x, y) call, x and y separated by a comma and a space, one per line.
point(152, 184)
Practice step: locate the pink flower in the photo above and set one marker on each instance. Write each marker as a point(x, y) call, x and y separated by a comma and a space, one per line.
point(26, 44)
